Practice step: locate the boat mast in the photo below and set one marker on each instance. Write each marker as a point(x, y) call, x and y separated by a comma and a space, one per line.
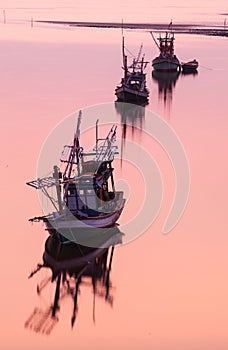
point(139, 53)
point(142, 64)
point(124, 58)
point(97, 134)
point(56, 177)
point(75, 150)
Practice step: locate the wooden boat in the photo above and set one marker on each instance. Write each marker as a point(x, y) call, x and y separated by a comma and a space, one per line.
point(133, 88)
point(190, 67)
point(167, 60)
point(85, 195)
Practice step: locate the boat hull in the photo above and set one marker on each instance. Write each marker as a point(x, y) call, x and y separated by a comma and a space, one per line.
point(166, 65)
point(72, 227)
point(189, 67)
point(70, 222)
point(125, 94)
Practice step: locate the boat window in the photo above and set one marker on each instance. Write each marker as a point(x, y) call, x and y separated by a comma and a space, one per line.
point(71, 192)
point(90, 191)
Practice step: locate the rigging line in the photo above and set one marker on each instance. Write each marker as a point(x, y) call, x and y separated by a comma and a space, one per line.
point(209, 68)
point(132, 55)
point(151, 33)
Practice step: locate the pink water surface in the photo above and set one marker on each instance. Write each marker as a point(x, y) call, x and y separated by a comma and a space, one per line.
point(170, 291)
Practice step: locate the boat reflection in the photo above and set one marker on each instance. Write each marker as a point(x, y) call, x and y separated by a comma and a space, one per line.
point(166, 83)
point(192, 73)
point(73, 266)
point(131, 115)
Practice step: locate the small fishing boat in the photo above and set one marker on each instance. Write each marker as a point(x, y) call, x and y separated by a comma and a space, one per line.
point(85, 195)
point(133, 88)
point(190, 67)
point(167, 60)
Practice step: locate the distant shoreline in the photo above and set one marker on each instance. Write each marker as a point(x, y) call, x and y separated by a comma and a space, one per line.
point(176, 28)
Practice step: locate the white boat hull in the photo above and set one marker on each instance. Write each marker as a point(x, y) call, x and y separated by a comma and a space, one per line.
point(66, 224)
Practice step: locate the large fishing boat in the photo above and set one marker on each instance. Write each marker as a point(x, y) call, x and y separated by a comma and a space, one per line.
point(167, 60)
point(133, 85)
point(85, 195)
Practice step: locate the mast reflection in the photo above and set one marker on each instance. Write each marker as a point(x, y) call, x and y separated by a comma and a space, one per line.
point(132, 116)
point(166, 84)
point(73, 266)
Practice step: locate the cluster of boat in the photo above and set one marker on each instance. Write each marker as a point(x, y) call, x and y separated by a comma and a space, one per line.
point(133, 88)
point(85, 189)
point(86, 205)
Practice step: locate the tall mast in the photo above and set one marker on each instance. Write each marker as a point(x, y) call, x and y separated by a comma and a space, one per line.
point(97, 134)
point(124, 56)
point(56, 177)
point(75, 150)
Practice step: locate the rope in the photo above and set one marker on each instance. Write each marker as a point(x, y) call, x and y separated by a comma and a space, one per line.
point(209, 68)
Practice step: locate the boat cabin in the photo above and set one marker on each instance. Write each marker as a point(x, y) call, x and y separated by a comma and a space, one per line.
point(88, 194)
point(136, 81)
point(166, 45)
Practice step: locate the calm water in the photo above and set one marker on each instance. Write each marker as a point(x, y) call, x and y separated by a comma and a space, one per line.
point(169, 291)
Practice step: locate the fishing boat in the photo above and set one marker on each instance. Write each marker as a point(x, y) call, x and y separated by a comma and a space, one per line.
point(85, 195)
point(167, 60)
point(189, 67)
point(133, 88)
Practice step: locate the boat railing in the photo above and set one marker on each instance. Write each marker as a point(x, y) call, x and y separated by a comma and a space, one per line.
point(67, 150)
point(105, 148)
point(106, 151)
